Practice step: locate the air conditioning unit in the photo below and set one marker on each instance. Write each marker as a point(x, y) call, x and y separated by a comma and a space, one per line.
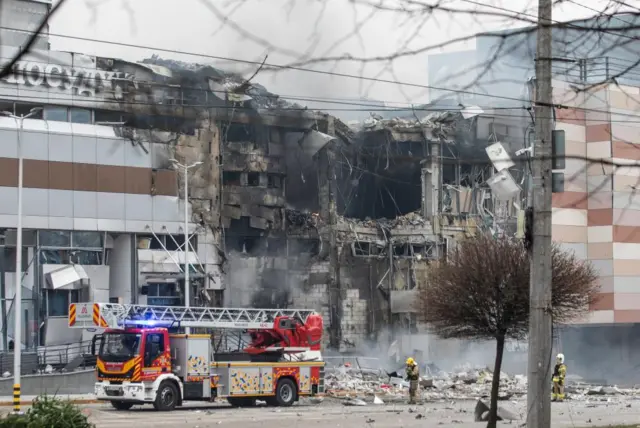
point(117, 300)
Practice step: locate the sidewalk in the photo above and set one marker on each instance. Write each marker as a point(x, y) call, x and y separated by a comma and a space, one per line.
point(26, 400)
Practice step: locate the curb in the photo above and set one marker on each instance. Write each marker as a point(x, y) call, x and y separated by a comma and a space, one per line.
point(30, 402)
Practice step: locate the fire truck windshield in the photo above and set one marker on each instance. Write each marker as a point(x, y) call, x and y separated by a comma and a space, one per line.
point(119, 347)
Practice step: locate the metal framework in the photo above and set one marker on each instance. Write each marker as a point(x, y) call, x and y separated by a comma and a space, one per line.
point(113, 315)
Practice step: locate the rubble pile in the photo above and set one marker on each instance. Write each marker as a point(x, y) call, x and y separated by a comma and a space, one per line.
point(465, 383)
point(410, 219)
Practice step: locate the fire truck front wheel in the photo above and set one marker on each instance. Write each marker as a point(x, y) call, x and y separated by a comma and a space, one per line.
point(285, 392)
point(121, 405)
point(167, 397)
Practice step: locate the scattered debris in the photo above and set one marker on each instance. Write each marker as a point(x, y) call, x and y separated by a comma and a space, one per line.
point(354, 402)
point(377, 400)
point(481, 413)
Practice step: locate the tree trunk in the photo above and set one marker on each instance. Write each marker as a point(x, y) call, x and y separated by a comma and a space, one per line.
point(495, 384)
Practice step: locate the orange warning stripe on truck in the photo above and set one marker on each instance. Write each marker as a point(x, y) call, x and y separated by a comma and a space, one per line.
point(72, 315)
point(98, 320)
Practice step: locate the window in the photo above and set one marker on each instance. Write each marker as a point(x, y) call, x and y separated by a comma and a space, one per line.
point(55, 113)
point(253, 179)
point(231, 178)
point(10, 259)
point(58, 301)
point(63, 247)
point(170, 242)
point(163, 294)
point(25, 109)
point(55, 239)
point(274, 181)
point(79, 115)
point(153, 348)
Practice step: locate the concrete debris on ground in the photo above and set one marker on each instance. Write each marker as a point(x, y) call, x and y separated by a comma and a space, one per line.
point(465, 383)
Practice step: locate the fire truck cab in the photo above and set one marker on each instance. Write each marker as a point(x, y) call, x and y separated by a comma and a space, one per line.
point(146, 359)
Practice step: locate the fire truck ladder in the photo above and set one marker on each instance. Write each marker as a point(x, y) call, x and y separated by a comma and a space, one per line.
point(113, 315)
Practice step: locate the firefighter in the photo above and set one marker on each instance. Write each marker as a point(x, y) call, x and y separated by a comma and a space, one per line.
point(559, 374)
point(413, 375)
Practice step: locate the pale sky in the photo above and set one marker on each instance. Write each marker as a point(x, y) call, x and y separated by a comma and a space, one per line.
point(190, 26)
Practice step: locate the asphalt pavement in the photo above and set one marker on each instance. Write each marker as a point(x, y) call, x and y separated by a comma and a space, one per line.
point(332, 413)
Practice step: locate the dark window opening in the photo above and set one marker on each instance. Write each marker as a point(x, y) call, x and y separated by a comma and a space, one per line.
point(176, 242)
point(25, 109)
point(231, 178)
point(242, 244)
point(10, 259)
point(361, 248)
point(378, 196)
point(238, 132)
point(6, 106)
point(253, 179)
point(108, 116)
point(418, 249)
point(58, 301)
point(274, 181)
point(149, 242)
point(401, 250)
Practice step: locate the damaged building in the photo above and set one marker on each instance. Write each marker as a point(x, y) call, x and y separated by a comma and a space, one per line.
point(287, 207)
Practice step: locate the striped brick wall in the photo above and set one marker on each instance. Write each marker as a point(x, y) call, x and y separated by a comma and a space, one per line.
point(84, 177)
point(598, 215)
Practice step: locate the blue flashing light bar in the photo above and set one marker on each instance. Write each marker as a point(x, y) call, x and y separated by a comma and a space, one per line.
point(149, 323)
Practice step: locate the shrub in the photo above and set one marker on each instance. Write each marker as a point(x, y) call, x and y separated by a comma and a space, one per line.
point(48, 412)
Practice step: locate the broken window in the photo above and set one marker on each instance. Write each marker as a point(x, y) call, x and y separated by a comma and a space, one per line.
point(7, 106)
point(238, 132)
point(401, 250)
point(367, 249)
point(384, 194)
point(23, 109)
point(253, 179)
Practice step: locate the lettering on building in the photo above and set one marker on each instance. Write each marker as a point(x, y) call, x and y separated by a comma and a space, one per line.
point(72, 81)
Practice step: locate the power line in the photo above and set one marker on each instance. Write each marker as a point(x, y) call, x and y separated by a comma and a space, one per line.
point(287, 67)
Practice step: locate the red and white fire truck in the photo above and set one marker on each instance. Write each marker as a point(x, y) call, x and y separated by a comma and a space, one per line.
point(144, 356)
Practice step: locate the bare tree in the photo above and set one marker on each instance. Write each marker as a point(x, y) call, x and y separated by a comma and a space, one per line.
point(481, 292)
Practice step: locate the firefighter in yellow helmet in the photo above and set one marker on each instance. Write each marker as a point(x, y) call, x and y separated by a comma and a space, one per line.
point(559, 373)
point(413, 375)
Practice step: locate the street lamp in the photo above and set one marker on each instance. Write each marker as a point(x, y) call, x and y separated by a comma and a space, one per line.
point(187, 269)
point(17, 305)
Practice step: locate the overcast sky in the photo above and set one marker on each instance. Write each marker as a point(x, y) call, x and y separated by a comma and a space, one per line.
point(281, 31)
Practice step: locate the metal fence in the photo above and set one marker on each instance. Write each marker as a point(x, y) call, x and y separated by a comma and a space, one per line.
point(70, 356)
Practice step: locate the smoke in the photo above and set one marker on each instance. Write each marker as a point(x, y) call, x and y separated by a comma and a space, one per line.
point(269, 272)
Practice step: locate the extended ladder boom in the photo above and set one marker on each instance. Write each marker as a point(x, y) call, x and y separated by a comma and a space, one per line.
point(113, 315)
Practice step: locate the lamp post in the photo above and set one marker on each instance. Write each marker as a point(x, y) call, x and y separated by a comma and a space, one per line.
point(17, 300)
point(187, 269)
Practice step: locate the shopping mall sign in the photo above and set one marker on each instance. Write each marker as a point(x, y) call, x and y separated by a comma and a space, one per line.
point(72, 81)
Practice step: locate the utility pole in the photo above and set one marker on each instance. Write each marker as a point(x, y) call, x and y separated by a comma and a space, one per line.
point(540, 321)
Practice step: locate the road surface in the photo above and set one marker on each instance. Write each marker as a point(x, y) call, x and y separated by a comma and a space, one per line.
point(332, 414)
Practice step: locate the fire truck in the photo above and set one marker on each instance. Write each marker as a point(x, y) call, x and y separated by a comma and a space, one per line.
point(145, 356)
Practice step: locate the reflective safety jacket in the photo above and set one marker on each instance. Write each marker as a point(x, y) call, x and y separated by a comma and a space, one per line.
point(413, 373)
point(559, 373)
